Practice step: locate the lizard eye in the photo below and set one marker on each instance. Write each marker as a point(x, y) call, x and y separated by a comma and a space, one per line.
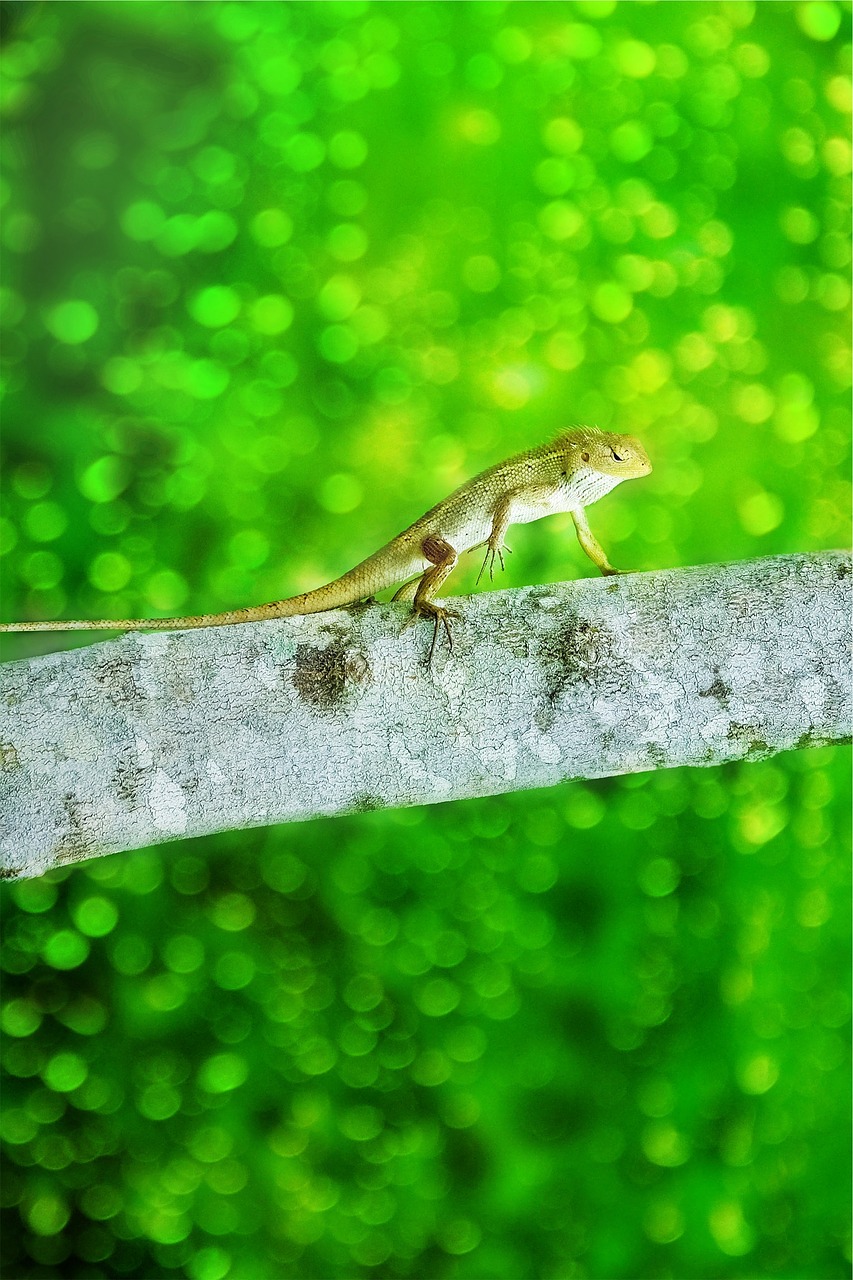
point(617, 457)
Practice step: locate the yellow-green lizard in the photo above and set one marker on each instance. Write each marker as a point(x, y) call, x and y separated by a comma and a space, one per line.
point(567, 474)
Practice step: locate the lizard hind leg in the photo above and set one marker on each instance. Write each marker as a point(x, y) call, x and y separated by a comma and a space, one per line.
point(443, 558)
point(407, 591)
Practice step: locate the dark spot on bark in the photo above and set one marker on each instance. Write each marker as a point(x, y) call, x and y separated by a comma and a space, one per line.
point(358, 668)
point(10, 873)
point(126, 778)
point(75, 844)
point(842, 569)
point(360, 606)
point(574, 653)
point(336, 629)
point(8, 757)
point(717, 689)
point(746, 737)
point(119, 677)
point(189, 782)
point(657, 755)
point(367, 804)
point(812, 739)
point(323, 676)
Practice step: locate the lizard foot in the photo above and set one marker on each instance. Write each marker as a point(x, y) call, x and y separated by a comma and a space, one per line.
point(493, 553)
point(441, 620)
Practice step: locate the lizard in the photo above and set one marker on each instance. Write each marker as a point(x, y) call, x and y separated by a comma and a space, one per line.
point(568, 473)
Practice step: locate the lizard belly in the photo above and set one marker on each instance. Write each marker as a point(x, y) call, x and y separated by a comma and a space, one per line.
point(525, 510)
point(465, 533)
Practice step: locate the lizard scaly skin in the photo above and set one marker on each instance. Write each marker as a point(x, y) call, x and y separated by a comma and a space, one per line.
point(567, 474)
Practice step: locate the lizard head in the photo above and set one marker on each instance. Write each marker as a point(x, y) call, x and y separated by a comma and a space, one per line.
point(618, 456)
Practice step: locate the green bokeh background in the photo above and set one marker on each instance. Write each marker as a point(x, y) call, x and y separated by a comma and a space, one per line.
point(276, 278)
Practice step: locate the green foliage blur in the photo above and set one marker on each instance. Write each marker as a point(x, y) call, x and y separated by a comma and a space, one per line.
point(276, 277)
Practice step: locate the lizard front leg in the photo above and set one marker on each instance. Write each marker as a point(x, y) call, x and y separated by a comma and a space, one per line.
point(495, 544)
point(443, 558)
point(591, 545)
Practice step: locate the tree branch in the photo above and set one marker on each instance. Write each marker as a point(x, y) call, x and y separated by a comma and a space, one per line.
point(148, 737)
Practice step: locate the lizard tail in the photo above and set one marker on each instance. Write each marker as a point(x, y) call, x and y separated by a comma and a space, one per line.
point(256, 613)
point(149, 624)
point(353, 586)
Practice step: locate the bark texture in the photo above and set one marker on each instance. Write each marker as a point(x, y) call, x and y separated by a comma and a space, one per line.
point(149, 737)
